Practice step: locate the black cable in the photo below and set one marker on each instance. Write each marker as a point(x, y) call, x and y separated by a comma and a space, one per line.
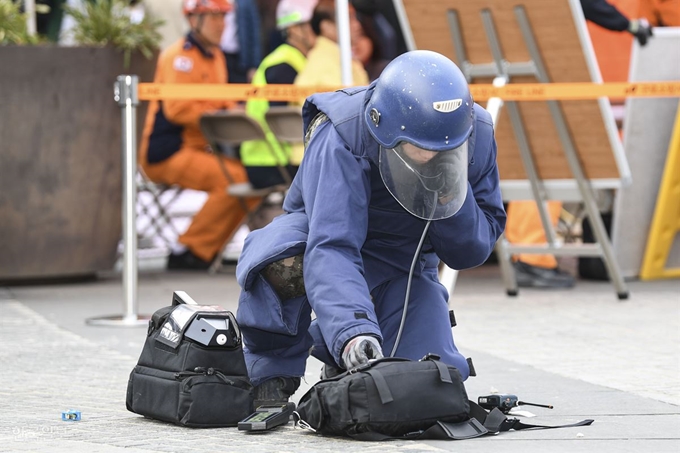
point(410, 276)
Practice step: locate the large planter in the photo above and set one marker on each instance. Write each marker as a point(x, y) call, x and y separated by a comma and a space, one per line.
point(60, 160)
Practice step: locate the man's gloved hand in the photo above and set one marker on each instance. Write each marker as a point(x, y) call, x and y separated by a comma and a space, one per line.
point(641, 29)
point(359, 350)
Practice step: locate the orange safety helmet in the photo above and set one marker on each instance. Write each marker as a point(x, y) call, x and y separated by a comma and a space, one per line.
point(206, 6)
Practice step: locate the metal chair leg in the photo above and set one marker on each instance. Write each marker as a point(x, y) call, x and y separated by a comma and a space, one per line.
point(505, 263)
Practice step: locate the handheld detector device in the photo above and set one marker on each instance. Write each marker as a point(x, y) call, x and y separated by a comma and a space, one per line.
point(267, 417)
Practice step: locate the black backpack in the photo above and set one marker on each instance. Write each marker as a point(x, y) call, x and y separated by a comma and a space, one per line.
point(191, 371)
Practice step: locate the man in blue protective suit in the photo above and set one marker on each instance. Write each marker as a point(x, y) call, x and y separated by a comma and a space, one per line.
point(396, 176)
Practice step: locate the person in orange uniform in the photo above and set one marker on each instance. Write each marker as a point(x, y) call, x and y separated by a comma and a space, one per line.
point(661, 13)
point(173, 149)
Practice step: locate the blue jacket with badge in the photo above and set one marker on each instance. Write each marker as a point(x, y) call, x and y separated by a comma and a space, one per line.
point(354, 234)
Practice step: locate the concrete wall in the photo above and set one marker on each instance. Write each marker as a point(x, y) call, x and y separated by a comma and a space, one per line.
point(60, 160)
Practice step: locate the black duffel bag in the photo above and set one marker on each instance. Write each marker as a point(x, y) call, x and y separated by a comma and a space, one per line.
point(191, 371)
point(395, 398)
point(389, 397)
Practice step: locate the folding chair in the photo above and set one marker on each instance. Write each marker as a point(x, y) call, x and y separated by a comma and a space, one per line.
point(285, 123)
point(225, 131)
point(154, 210)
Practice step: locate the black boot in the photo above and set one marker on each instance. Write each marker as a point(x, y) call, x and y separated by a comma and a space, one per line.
point(276, 390)
point(529, 276)
point(187, 261)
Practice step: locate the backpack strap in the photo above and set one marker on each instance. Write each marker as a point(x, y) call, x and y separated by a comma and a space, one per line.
point(497, 422)
point(468, 429)
point(439, 431)
point(373, 436)
point(381, 385)
point(384, 390)
point(514, 423)
point(482, 423)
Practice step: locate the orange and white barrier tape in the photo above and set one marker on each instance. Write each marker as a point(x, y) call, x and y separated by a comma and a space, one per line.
point(574, 91)
point(510, 92)
point(226, 91)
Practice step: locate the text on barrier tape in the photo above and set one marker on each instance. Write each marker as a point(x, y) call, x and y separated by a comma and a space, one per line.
point(227, 92)
point(511, 92)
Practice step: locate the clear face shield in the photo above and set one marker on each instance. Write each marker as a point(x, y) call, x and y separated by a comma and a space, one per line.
point(431, 185)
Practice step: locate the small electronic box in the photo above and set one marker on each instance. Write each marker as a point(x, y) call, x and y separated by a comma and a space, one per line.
point(267, 417)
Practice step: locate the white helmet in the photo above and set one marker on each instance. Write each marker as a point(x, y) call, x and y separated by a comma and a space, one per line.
point(292, 12)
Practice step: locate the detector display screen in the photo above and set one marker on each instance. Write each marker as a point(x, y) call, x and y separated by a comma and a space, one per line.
point(259, 417)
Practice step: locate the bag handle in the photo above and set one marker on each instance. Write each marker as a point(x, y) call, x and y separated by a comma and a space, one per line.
point(366, 366)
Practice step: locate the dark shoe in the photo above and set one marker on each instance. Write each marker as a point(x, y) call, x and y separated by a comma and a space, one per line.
point(187, 261)
point(276, 390)
point(229, 262)
point(529, 276)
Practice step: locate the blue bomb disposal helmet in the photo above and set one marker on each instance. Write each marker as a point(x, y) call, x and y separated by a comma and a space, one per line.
point(420, 113)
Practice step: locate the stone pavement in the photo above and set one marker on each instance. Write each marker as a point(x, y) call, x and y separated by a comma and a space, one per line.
point(582, 350)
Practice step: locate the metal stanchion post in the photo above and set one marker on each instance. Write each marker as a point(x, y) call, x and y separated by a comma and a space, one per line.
point(125, 93)
point(342, 22)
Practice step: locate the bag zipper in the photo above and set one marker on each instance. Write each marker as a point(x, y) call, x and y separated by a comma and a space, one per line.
point(202, 371)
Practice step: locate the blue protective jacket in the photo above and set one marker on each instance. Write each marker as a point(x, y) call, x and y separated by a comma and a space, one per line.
point(354, 234)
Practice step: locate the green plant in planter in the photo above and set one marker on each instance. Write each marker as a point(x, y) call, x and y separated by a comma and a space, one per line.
point(106, 22)
point(13, 28)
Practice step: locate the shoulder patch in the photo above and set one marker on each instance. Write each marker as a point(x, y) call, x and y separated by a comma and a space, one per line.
point(183, 64)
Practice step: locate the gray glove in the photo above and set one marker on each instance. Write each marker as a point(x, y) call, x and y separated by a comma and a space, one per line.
point(360, 350)
point(641, 29)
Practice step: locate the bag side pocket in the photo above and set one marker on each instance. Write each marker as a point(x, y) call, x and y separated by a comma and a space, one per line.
point(214, 400)
point(325, 407)
point(153, 393)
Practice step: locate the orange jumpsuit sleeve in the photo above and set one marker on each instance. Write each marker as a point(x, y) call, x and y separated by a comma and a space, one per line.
point(661, 12)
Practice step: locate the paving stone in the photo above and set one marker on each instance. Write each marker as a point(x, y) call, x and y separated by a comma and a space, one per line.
point(582, 350)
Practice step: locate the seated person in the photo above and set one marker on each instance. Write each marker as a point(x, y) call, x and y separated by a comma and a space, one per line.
point(173, 149)
point(660, 13)
point(279, 67)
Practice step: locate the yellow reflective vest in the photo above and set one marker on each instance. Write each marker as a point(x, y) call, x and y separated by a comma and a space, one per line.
point(255, 152)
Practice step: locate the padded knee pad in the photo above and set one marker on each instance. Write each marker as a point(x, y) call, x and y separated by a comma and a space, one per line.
point(285, 277)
